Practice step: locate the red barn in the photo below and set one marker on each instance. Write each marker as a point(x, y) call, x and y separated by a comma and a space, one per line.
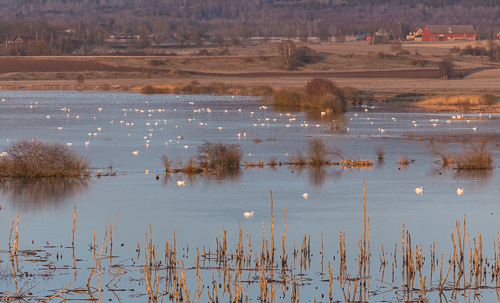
point(364, 37)
point(448, 33)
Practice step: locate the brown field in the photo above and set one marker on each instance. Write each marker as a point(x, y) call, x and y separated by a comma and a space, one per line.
point(367, 67)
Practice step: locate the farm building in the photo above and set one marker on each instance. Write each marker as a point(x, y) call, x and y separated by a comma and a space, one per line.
point(448, 33)
point(364, 37)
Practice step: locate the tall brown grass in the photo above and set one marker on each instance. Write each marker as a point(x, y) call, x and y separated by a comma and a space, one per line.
point(473, 156)
point(32, 158)
point(460, 101)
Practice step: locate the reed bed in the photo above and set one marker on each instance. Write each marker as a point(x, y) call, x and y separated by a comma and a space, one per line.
point(245, 271)
point(194, 87)
point(460, 102)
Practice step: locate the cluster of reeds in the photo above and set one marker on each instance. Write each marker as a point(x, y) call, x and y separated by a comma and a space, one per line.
point(194, 87)
point(318, 154)
point(467, 272)
point(32, 158)
point(318, 93)
point(462, 102)
point(475, 155)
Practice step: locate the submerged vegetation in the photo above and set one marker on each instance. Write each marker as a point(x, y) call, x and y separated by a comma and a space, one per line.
point(32, 158)
point(318, 93)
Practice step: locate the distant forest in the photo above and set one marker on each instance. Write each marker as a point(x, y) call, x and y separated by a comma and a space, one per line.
point(237, 20)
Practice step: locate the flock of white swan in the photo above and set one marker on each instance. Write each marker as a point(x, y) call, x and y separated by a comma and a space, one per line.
point(420, 190)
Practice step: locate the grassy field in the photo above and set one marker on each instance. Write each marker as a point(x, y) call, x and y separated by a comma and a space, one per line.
point(349, 56)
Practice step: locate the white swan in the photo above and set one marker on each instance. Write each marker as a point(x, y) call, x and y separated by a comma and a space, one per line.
point(248, 214)
point(460, 191)
point(135, 152)
point(305, 195)
point(180, 183)
point(419, 190)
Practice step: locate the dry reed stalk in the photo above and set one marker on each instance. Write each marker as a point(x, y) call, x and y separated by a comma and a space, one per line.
point(272, 229)
point(16, 237)
point(10, 234)
point(330, 280)
point(74, 227)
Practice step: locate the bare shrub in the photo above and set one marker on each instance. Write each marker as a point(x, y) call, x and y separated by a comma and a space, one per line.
point(332, 104)
point(475, 156)
point(306, 55)
point(262, 90)
point(403, 160)
point(219, 154)
point(488, 99)
point(380, 152)
point(106, 87)
point(167, 163)
point(317, 151)
point(148, 89)
point(273, 161)
point(80, 79)
point(287, 55)
point(297, 158)
point(191, 165)
point(287, 97)
point(32, 158)
point(323, 94)
point(441, 152)
point(217, 87)
point(446, 67)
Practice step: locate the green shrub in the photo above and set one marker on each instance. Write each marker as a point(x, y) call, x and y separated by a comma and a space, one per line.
point(219, 154)
point(32, 158)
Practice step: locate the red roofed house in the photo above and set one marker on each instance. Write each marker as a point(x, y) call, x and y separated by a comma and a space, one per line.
point(364, 37)
point(448, 33)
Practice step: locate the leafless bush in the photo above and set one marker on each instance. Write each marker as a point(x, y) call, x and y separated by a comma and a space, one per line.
point(403, 160)
point(441, 151)
point(475, 156)
point(32, 158)
point(219, 154)
point(167, 162)
point(191, 165)
point(297, 158)
point(317, 152)
point(80, 79)
point(380, 152)
point(273, 161)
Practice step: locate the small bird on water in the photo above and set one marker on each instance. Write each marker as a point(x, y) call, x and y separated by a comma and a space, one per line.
point(248, 214)
point(460, 191)
point(305, 195)
point(419, 190)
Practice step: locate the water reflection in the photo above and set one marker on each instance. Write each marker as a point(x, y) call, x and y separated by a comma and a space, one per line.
point(35, 194)
point(481, 176)
point(227, 173)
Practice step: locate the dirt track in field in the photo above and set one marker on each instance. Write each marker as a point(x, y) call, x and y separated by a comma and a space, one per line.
point(35, 65)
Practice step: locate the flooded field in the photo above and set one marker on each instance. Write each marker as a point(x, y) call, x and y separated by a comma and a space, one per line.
point(127, 133)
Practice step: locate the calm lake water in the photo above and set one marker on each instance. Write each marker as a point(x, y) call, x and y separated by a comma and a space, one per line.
point(117, 124)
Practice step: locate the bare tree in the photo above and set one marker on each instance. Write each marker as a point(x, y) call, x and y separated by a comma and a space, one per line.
point(446, 66)
point(288, 55)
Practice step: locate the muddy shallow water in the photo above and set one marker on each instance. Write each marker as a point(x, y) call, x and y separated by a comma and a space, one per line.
point(116, 124)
